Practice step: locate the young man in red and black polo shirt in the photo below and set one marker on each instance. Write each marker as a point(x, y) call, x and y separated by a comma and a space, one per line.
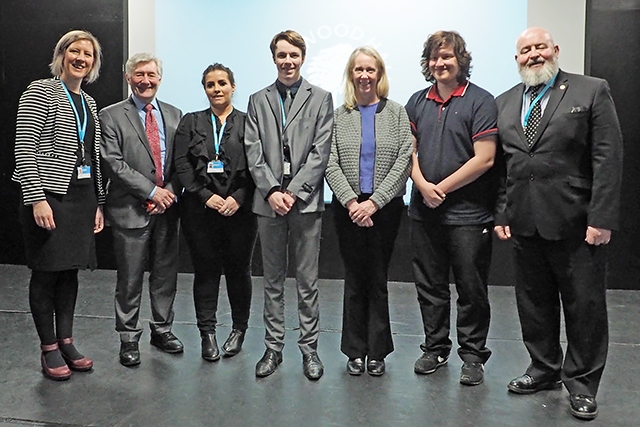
point(454, 122)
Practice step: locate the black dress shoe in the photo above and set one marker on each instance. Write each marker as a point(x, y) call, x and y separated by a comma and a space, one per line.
point(527, 384)
point(583, 407)
point(375, 367)
point(167, 342)
point(269, 362)
point(233, 344)
point(129, 354)
point(355, 366)
point(312, 366)
point(210, 351)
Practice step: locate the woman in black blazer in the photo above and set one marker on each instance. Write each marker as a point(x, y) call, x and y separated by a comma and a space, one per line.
point(217, 221)
point(58, 168)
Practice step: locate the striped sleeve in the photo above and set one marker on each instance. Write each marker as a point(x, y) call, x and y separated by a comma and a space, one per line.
point(32, 113)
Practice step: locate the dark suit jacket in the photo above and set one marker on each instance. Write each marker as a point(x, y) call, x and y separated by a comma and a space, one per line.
point(128, 161)
point(571, 176)
point(308, 133)
point(194, 149)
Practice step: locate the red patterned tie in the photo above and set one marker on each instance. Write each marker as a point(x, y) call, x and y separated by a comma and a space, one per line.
point(153, 135)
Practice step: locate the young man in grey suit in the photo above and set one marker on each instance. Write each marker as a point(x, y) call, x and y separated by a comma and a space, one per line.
point(288, 140)
point(137, 149)
point(559, 203)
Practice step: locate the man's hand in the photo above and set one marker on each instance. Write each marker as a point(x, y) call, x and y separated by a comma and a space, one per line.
point(280, 202)
point(597, 236)
point(163, 198)
point(502, 231)
point(43, 215)
point(432, 196)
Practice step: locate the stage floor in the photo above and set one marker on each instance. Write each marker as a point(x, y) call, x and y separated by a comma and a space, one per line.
point(184, 390)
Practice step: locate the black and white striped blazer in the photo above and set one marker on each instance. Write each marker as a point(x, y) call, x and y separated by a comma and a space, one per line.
point(47, 142)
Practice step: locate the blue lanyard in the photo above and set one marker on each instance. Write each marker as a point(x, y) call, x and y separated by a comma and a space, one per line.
point(217, 137)
point(82, 127)
point(284, 115)
point(537, 99)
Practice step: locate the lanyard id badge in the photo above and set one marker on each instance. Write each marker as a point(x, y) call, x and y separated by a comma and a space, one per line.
point(84, 172)
point(215, 166)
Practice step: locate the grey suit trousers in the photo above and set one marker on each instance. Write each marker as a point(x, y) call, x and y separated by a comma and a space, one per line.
point(303, 231)
point(155, 245)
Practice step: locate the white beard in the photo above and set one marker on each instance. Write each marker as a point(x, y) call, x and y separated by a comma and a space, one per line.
point(542, 75)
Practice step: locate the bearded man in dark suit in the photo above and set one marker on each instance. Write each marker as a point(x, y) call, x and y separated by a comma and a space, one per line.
point(560, 200)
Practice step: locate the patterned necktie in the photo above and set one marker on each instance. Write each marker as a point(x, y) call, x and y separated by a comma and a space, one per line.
point(153, 135)
point(534, 117)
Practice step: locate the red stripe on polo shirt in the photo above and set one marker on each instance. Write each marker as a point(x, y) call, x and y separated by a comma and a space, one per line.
point(478, 135)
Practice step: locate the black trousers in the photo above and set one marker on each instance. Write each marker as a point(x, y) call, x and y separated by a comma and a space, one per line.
point(366, 252)
point(52, 299)
point(569, 274)
point(218, 244)
point(465, 249)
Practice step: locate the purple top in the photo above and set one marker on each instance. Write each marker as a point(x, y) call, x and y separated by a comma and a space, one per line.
point(368, 147)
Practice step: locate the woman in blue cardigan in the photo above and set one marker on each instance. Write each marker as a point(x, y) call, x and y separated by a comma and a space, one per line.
point(58, 168)
point(368, 168)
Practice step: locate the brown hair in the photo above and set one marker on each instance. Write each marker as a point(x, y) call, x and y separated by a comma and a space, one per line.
point(289, 36)
point(437, 41)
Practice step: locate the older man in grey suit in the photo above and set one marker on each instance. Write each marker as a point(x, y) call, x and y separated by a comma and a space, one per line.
point(288, 140)
point(137, 148)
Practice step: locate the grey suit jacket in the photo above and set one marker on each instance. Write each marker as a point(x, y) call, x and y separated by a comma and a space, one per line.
point(308, 133)
point(571, 176)
point(128, 161)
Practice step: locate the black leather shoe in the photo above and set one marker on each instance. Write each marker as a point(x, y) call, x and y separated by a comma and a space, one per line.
point(375, 367)
point(269, 362)
point(129, 354)
point(355, 366)
point(167, 342)
point(233, 344)
point(583, 407)
point(526, 384)
point(210, 351)
point(312, 366)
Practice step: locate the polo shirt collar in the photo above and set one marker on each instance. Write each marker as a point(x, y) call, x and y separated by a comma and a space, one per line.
point(433, 94)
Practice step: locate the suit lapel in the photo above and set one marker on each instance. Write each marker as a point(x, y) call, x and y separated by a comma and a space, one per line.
point(273, 99)
point(555, 96)
point(170, 126)
point(515, 115)
point(131, 112)
point(304, 92)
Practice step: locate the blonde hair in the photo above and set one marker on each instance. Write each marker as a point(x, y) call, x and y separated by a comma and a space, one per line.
point(382, 87)
point(65, 41)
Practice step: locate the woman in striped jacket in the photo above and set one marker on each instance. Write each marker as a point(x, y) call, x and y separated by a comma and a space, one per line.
point(58, 168)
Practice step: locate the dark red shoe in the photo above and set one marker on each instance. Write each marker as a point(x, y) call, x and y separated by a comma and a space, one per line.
point(82, 364)
point(59, 373)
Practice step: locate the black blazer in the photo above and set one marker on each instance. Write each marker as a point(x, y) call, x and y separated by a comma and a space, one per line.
point(571, 176)
point(194, 149)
